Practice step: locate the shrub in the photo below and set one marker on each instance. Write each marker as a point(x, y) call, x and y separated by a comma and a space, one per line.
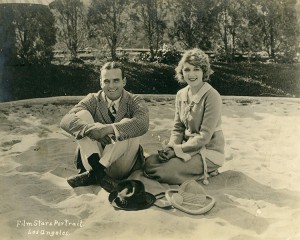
point(168, 56)
point(239, 79)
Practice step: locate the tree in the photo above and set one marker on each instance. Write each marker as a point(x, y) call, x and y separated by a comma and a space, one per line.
point(108, 19)
point(231, 25)
point(193, 23)
point(71, 24)
point(31, 31)
point(8, 52)
point(278, 23)
point(150, 13)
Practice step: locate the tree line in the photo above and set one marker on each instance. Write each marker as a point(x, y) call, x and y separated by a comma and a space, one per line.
point(28, 33)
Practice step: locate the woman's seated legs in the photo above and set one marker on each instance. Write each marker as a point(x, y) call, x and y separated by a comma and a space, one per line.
point(176, 171)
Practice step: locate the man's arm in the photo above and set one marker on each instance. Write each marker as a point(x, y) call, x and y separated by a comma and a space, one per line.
point(72, 124)
point(138, 124)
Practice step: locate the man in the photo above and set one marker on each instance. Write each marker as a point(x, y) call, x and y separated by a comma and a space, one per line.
point(107, 126)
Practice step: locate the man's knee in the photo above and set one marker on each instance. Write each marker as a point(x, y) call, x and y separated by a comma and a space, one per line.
point(85, 116)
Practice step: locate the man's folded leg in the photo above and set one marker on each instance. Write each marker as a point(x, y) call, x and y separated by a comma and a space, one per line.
point(121, 156)
point(106, 167)
point(87, 159)
point(78, 161)
point(128, 156)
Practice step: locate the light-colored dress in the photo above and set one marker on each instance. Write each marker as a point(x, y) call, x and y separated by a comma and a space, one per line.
point(197, 125)
point(196, 136)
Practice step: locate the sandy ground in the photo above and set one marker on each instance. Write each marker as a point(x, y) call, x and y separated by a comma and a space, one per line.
point(257, 193)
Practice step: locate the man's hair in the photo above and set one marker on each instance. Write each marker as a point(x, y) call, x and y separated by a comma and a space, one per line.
point(113, 65)
point(197, 58)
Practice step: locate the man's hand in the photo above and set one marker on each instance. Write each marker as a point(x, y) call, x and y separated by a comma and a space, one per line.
point(105, 141)
point(100, 132)
point(166, 154)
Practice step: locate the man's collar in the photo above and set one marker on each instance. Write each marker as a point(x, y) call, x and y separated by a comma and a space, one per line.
point(109, 101)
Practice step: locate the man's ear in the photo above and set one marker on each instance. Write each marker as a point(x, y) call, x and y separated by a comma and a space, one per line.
point(124, 81)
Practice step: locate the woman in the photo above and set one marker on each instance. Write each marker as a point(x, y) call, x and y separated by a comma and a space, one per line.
point(196, 145)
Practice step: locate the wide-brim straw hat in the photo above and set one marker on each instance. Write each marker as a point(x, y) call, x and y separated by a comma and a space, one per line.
point(190, 198)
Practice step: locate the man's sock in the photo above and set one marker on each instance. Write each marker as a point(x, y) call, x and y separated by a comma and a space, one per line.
point(98, 168)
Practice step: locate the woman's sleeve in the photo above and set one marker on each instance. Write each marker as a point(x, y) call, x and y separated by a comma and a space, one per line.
point(177, 132)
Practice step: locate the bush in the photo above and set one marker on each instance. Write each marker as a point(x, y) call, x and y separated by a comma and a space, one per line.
point(37, 81)
point(123, 57)
point(257, 79)
point(168, 56)
point(165, 56)
point(151, 78)
point(239, 79)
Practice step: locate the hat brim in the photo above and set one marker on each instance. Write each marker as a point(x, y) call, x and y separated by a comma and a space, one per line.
point(149, 201)
point(201, 210)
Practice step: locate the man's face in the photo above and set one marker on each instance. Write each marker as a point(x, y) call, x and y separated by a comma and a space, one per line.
point(112, 83)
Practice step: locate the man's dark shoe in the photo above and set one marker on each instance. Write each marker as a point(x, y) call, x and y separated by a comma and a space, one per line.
point(84, 179)
point(108, 183)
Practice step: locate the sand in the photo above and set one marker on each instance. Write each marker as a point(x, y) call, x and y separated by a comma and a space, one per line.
point(257, 193)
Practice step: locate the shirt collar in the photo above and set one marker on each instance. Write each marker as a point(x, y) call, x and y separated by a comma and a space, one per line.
point(109, 102)
point(197, 97)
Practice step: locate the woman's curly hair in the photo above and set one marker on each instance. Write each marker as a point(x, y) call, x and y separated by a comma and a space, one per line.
point(195, 57)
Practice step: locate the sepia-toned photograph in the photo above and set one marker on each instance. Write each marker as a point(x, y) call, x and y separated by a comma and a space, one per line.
point(150, 119)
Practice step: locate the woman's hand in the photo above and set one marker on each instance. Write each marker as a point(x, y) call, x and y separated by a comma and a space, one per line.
point(166, 154)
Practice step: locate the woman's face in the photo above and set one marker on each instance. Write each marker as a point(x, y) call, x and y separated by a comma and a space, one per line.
point(192, 75)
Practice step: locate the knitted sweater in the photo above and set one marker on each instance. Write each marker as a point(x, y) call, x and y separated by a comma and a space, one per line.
point(197, 126)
